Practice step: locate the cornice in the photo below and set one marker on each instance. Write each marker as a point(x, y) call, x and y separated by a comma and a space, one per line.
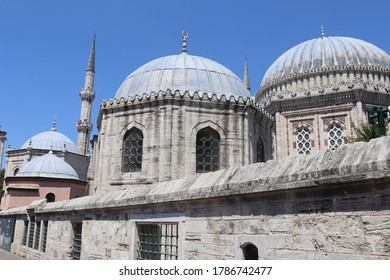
point(322, 70)
point(112, 104)
point(327, 90)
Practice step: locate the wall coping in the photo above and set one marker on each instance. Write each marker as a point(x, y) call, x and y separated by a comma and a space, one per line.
point(347, 164)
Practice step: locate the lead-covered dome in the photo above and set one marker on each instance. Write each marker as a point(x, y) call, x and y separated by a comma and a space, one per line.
point(182, 72)
point(326, 66)
point(48, 166)
point(51, 140)
point(326, 52)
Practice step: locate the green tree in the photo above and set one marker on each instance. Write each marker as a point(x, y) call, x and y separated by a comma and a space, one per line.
point(364, 132)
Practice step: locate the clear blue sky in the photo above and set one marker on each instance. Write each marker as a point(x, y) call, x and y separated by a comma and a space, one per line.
point(45, 44)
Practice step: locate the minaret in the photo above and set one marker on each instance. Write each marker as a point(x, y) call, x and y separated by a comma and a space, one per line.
point(246, 76)
point(3, 138)
point(84, 125)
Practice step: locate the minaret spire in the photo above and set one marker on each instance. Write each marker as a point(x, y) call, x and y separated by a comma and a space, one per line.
point(90, 73)
point(87, 94)
point(246, 76)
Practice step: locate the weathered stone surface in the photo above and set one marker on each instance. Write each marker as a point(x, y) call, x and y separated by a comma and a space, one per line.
point(310, 214)
point(271, 176)
point(377, 224)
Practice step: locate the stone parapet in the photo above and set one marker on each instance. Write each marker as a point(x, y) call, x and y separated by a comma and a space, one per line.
point(351, 163)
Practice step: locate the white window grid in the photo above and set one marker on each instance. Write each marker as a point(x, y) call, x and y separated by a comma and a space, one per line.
point(335, 137)
point(303, 141)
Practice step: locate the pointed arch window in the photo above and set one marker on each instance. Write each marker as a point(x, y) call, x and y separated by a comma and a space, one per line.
point(335, 137)
point(303, 141)
point(207, 150)
point(260, 157)
point(132, 151)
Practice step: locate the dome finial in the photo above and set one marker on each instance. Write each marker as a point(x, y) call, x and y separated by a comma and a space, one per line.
point(184, 35)
point(53, 128)
point(322, 32)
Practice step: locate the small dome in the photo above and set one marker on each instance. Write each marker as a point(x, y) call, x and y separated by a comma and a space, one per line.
point(48, 166)
point(51, 140)
point(184, 73)
point(326, 52)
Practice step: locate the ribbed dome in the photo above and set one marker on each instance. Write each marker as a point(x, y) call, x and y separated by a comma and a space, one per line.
point(326, 52)
point(184, 73)
point(48, 166)
point(51, 140)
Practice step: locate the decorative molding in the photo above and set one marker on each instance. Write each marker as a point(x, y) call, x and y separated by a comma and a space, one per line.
point(325, 80)
point(111, 104)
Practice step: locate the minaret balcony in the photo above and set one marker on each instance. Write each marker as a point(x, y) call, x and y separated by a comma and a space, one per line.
point(84, 126)
point(87, 95)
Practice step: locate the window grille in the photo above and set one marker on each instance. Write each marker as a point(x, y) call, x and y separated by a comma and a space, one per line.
point(157, 241)
point(31, 232)
point(207, 150)
point(335, 137)
point(303, 141)
point(132, 151)
point(44, 236)
point(37, 235)
point(260, 151)
point(25, 233)
point(76, 252)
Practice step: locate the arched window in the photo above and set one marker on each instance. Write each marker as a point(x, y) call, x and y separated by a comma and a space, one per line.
point(335, 137)
point(132, 151)
point(303, 141)
point(207, 150)
point(50, 197)
point(16, 171)
point(260, 151)
point(250, 252)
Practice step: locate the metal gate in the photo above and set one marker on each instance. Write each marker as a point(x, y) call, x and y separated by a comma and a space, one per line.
point(7, 225)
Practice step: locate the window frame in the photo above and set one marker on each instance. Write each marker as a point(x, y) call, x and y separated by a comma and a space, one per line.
point(260, 155)
point(137, 165)
point(211, 161)
point(77, 241)
point(304, 150)
point(335, 137)
point(165, 240)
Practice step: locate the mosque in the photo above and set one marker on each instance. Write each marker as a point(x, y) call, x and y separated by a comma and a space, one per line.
point(188, 165)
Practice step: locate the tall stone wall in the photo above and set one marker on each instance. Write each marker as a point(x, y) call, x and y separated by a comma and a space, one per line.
point(327, 205)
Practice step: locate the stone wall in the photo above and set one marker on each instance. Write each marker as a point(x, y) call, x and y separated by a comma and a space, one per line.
point(326, 205)
point(169, 123)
